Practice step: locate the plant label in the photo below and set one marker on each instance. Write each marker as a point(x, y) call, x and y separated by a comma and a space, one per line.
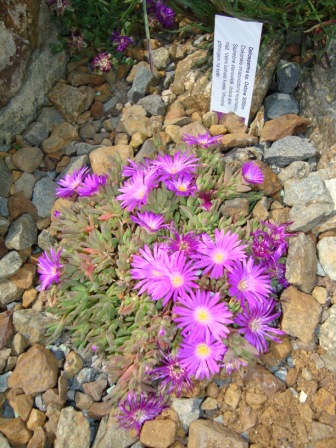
point(236, 47)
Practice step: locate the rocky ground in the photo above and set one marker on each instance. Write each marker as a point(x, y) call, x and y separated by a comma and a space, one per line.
point(51, 395)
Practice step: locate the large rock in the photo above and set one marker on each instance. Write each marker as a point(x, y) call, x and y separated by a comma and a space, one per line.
point(15, 431)
point(44, 196)
point(327, 256)
point(327, 334)
point(32, 324)
point(187, 409)
point(110, 434)
point(22, 233)
point(36, 371)
point(158, 433)
point(28, 67)
point(301, 315)
point(289, 149)
point(6, 179)
point(315, 95)
point(207, 434)
point(68, 100)
point(73, 429)
point(10, 264)
point(101, 159)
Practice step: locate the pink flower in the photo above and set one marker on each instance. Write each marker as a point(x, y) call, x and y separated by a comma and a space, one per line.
point(252, 174)
point(135, 191)
point(71, 182)
point(91, 184)
point(149, 221)
point(49, 268)
point(170, 166)
point(103, 62)
point(182, 185)
point(204, 140)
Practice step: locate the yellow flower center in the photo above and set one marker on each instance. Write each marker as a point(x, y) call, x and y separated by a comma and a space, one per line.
point(174, 170)
point(255, 325)
point(202, 315)
point(242, 285)
point(203, 351)
point(218, 257)
point(141, 193)
point(177, 280)
point(182, 188)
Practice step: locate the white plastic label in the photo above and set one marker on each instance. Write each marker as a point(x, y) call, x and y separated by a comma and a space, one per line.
point(236, 47)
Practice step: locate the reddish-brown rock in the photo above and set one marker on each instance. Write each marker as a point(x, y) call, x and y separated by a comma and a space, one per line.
point(284, 126)
point(97, 110)
point(15, 431)
point(6, 328)
point(233, 123)
point(239, 140)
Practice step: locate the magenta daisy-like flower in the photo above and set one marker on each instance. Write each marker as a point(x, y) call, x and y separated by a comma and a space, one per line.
point(71, 182)
point(279, 235)
point(172, 375)
point(49, 268)
point(162, 12)
point(149, 221)
point(177, 164)
point(202, 314)
point(122, 41)
point(91, 184)
point(135, 191)
point(204, 140)
point(262, 245)
point(252, 174)
point(254, 322)
point(182, 185)
point(132, 168)
point(201, 357)
point(137, 409)
point(186, 243)
point(249, 282)
point(102, 61)
point(178, 280)
point(216, 256)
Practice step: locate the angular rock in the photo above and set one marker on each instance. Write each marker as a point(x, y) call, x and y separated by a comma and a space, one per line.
point(271, 182)
point(301, 263)
point(158, 433)
point(3, 206)
point(73, 429)
point(6, 179)
point(160, 58)
point(238, 140)
point(39, 439)
point(288, 150)
point(306, 217)
point(75, 164)
point(25, 183)
point(22, 405)
point(111, 434)
point(327, 333)
point(27, 159)
point(233, 123)
point(36, 371)
point(134, 120)
point(69, 101)
point(61, 135)
point(6, 328)
point(187, 409)
point(300, 314)
point(4, 442)
point(23, 278)
point(18, 204)
point(324, 401)
point(15, 431)
point(142, 81)
point(95, 389)
point(307, 191)
point(73, 364)
point(44, 196)
point(50, 118)
point(101, 159)
point(36, 133)
point(296, 170)
point(263, 381)
point(9, 292)
point(22, 233)
point(284, 126)
point(153, 104)
point(279, 104)
point(327, 256)
point(45, 240)
point(32, 324)
point(206, 434)
point(98, 410)
point(288, 75)
point(9, 264)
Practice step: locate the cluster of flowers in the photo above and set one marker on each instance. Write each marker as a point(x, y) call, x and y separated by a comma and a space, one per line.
point(161, 13)
point(173, 269)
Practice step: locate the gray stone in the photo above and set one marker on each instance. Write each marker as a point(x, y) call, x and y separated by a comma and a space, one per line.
point(148, 149)
point(84, 148)
point(205, 434)
point(44, 196)
point(327, 334)
point(108, 105)
point(9, 292)
point(327, 256)
point(25, 183)
point(296, 170)
point(316, 95)
point(142, 81)
point(87, 130)
point(45, 240)
point(27, 159)
point(10, 264)
point(288, 150)
point(160, 58)
point(6, 179)
point(32, 324)
point(75, 164)
point(168, 79)
point(4, 381)
point(73, 430)
point(288, 75)
point(329, 362)
point(22, 233)
point(153, 104)
point(279, 104)
point(4, 225)
point(301, 263)
point(86, 375)
point(3, 442)
point(36, 80)
point(306, 191)
point(3, 206)
point(50, 118)
point(68, 100)
point(187, 409)
point(110, 434)
point(36, 133)
point(306, 217)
